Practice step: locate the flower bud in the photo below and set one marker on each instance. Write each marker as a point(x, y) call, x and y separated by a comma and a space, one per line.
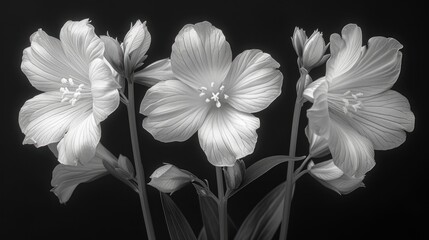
point(298, 41)
point(169, 178)
point(113, 53)
point(314, 50)
point(136, 43)
point(333, 178)
point(318, 145)
point(234, 175)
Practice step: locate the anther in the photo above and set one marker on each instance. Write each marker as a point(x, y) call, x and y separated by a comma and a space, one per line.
point(225, 96)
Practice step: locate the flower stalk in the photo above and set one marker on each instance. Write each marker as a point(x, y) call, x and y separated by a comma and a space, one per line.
point(290, 168)
point(222, 206)
point(138, 164)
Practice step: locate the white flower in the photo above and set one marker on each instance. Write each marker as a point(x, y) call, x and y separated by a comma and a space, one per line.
point(66, 178)
point(353, 106)
point(310, 51)
point(333, 178)
point(169, 178)
point(213, 95)
point(80, 91)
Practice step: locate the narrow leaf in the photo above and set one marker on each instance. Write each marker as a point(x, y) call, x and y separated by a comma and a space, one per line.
point(263, 221)
point(178, 226)
point(210, 216)
point(262, 166)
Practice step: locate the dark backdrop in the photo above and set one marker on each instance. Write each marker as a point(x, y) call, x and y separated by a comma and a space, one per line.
point(391, 205)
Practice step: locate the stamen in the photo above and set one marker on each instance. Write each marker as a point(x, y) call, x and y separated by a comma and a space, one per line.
point(352, 101)
point(63, 80)
point(215, 97)
point(221, 88)
point(212, 84)
point(71, 96)
point(202, 94)
point(218, 104)
point(207, 100)
point(225, 96)
point(71, 82)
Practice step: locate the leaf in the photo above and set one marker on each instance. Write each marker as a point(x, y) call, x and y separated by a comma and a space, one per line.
point(263, 221)
point(178, 226)
point(210, 216)
point(262, 166)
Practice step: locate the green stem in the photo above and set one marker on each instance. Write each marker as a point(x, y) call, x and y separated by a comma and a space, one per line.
point(138, 163)
point(222, 207)
point(290, 168)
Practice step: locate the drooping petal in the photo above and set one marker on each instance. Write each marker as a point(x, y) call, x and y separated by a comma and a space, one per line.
point(155, 72)
point(44, 62)
point(333, 178)
point(81, 46)
point(80, 142)
point(345, 51)
point(383, 119)
point(351, 152)
point(309, 90)
point(44, 119)
point(200, 55)
point(253, 81)
point(376, 71)
point(104, 87)
point(318, 114)
point(66, 178)
point(227, 135)
point(174, 111)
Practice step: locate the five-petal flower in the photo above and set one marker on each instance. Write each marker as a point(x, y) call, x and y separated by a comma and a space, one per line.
point(353, 106)
point(79, 87)
point(212, 95)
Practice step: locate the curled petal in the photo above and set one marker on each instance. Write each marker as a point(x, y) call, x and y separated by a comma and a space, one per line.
point(318, 146)
point(227, 135)
point(104, 87)
point(383, 119)
point(174, 111)
point(200, 55)
point(309, 90)
point(253, 81)
point(318, 114)
point(44, 119)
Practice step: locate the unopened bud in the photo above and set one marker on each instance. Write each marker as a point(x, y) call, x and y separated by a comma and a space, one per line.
point(169, 178)
point(136, 43)
point(234, 175)
point(313, 54)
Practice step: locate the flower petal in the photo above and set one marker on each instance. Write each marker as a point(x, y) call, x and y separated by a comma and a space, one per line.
point(65, 178)
point(325, 170)
point(376, 71)
point(44, 62)
point(104, 87)
point(227, 135)
point(80, 142)
point(152, 74)
point(81, 46)
point(345, 51)
point(351, 152)
point(44, 119)
point(200, 55)
point(318, 114)
point(318, 146)
point(309, 90)
point(253, 81)
point(174, 111)
point(383, 119)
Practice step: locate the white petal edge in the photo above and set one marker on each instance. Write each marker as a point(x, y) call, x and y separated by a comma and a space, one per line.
point(200, 55)
point(174, 111)
point(155, 72)
point(318, 114)
point(253, 81)
point(227, 135)
point(309, 90)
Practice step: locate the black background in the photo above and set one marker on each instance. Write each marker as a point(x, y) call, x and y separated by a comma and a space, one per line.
point(391, 205)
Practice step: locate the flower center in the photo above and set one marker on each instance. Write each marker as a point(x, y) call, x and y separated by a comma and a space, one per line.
point(71, 96)
point(214, 94)
point(351, 102)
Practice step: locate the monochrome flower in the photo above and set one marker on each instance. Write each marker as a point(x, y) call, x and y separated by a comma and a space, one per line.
point(212, 95)
point(353, 106)
point(310, 51)
point(80, 91)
